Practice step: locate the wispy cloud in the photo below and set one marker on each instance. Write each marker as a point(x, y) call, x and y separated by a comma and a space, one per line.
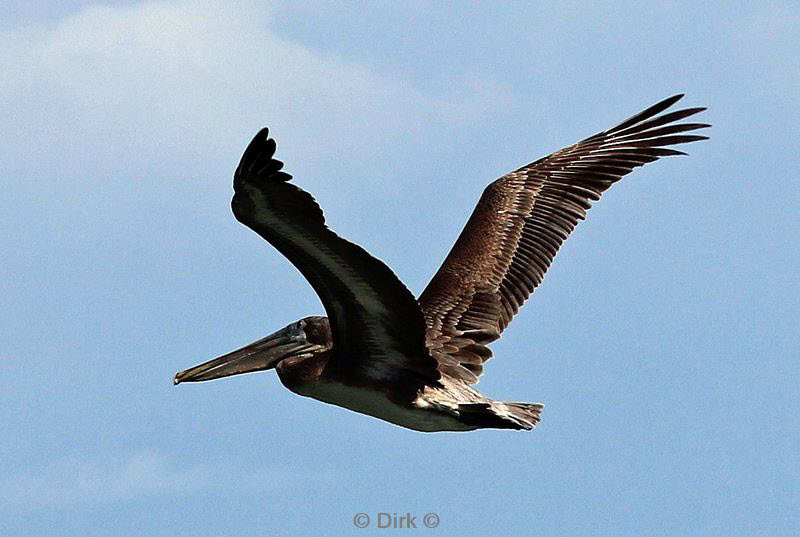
point(112, 79)
point(78, 481)
point(73, 481)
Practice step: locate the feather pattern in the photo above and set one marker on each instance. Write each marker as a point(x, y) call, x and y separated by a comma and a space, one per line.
point(376, 324)
point(518, 226)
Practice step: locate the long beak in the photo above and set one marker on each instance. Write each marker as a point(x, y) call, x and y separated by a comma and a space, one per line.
point(257, 356)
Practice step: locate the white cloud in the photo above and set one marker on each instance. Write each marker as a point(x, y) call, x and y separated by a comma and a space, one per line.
point(77, 481)
point(110, 82)
point(72, 481)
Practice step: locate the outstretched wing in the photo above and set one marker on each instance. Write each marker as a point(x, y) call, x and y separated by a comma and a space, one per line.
point(377, 326)
point(518, 225)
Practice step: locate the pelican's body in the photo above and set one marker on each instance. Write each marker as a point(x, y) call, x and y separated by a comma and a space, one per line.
point(380, 351)
point(431, 410)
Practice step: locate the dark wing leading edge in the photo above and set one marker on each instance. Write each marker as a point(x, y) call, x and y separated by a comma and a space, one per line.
point(518, 225)
point(378, 328)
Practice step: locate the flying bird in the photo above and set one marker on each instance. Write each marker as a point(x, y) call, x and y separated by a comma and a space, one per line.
point(414, 362)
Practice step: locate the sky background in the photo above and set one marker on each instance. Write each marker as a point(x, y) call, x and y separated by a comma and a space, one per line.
point(664, 341)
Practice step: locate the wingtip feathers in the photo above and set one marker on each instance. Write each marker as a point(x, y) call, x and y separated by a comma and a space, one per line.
point(258, 162)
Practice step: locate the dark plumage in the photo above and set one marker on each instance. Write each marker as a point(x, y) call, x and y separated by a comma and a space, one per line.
point(383, 353)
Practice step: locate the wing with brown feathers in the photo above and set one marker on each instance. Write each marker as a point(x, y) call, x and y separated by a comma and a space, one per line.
point(518, 225)
point(377, 326)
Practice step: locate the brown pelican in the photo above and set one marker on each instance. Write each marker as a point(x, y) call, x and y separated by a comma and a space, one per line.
point(414, 362)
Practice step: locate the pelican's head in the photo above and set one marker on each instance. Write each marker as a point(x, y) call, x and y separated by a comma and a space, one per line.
point(304, 338)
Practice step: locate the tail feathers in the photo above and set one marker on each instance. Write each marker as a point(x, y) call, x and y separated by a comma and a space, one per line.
point(527, 415)
point(501, 415)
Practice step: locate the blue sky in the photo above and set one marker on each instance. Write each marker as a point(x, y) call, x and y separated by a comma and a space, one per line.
point(663, 342)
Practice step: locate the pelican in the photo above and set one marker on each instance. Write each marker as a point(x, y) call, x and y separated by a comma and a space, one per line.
point(414, 362)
